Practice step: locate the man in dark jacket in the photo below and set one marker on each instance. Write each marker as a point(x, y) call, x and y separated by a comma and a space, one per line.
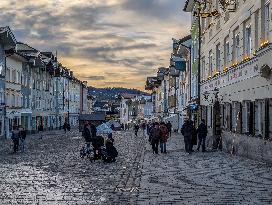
point(15, 138)
point(187, 132)
point(93, 130)
point(169, 127)
point(155, 135)
point(87, 136)
point(202, 134)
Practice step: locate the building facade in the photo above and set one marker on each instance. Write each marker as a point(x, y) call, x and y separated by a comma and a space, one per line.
point(35, 89)
point(236, 78)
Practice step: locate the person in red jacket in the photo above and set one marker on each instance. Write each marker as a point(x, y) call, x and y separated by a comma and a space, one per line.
point(163, 137)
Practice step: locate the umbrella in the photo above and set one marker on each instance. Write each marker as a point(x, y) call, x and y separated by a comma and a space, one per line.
point(114, 123)
point(103, 129)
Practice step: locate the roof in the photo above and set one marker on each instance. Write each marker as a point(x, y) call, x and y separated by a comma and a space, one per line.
point(128, 95)
point(100, 104)
point(97, 116)
point(189, 5)
point(186, 38)
point(7, 38)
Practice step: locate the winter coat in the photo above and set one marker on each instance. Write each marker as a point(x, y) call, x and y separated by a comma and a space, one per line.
point(93, 130)
point(194, 136)
point(87, 134)
point(22, 134)
point(155, 135)
point(169, 126)
point(187, 129)
point(164, 133)
point(111, 150)
point(202, 130)
point(15, 135)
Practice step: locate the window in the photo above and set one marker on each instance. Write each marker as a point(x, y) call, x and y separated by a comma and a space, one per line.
point(247, 116)
point(260, 118)
point(13, 100)
point(218, 59)
point(8, 75)
point(248, 41)
point(203, 73)
point(236, 117)
point(18, 78)
point(256, 30)
point(13, 76)
point(209, 116)
point(210, 63)
point(236, 47)
point(226, 53)
point(228, 117)
point(266, 21)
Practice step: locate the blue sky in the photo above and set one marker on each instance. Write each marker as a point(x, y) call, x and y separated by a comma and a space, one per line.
point(106, 42)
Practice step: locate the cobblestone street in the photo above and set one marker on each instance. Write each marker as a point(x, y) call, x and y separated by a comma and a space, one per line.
point(203, 178)
point(51, 172)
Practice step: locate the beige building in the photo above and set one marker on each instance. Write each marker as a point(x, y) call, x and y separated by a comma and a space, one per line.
point(236, 76)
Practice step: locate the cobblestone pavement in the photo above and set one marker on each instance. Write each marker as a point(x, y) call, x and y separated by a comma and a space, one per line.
point(51, 172)
point(202, 178)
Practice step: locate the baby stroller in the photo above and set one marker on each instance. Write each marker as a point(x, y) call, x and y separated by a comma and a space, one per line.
point(86, 152)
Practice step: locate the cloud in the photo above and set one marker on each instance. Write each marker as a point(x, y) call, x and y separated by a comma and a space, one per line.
point(94, 77)
point(113, 42)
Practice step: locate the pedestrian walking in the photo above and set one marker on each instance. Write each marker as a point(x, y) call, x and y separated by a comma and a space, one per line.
point(163, 137)
point(65, 126)
point(155, 134)
point(87, 136)
point(22, 135)
point(144, 128)
point(194, 137)
point(122, 127)
point(186, 131)
point(136, 129)
point(169, 127)
point(15, 138)
point(202, 134)
point(40, 130)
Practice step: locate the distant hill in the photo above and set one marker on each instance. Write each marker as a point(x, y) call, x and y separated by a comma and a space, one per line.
point(101, 94)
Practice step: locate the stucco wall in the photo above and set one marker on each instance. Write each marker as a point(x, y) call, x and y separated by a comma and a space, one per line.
point(246, 146)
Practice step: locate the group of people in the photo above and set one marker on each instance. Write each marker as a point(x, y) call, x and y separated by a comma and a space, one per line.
point(194, 136)
point(109, 153)
point(158, 134)
point(18, 137)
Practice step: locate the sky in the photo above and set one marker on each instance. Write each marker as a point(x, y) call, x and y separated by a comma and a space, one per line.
point(114, 43)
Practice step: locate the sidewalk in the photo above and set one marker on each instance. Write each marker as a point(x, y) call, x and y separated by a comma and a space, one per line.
point(202, 178)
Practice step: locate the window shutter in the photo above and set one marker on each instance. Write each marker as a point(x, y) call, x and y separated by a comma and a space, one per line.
point(266, 119)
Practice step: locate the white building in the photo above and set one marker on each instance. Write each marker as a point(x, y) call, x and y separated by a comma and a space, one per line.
point(13, 90)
